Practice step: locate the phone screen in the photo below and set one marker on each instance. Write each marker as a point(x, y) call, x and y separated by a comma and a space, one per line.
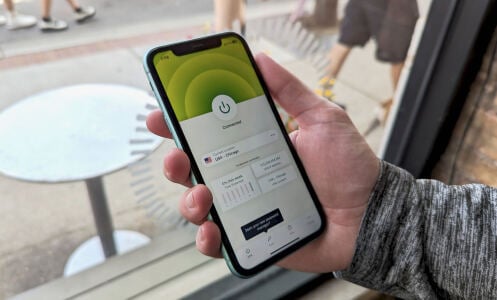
point(263, 201)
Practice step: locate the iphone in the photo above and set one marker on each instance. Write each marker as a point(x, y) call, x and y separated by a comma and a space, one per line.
point(221, 114)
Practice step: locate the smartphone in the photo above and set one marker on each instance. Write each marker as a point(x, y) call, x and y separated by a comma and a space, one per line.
point(219, 110)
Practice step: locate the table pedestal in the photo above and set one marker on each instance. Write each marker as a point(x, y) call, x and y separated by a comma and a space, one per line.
point(91, 253)
point(101, 213)
point(108, 242)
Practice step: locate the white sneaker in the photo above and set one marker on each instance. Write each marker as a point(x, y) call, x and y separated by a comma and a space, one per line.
point(17, 21)
point(52, 25)
point(85, 14)
point(3, 20)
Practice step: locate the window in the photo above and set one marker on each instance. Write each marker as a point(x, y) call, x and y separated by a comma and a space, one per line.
point(78, 162)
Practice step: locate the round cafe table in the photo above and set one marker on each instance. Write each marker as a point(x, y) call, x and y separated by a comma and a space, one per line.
point(79, 133)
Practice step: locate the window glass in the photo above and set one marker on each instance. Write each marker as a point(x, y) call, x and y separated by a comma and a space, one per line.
point(77, 164)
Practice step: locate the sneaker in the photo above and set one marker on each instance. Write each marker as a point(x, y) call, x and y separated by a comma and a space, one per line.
point(52, 25)
point(85, 13)
point(17, 21)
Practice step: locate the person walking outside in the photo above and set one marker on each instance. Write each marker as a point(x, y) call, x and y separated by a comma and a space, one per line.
point(13, 20)
point(227, 12)
point(47, 23)
point(390, 23)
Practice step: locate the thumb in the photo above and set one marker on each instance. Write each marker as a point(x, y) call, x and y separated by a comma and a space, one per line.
point(287, 90)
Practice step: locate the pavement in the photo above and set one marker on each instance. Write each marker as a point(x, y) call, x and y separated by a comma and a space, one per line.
point(42, 224)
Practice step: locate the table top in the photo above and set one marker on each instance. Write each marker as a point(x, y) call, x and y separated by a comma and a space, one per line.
point(75, 133)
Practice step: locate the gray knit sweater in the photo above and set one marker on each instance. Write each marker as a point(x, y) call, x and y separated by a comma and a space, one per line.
point(422, 239)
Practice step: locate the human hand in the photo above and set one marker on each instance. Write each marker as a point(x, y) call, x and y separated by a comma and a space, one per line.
point(341, 166)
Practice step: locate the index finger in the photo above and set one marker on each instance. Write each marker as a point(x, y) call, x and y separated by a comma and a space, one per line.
point(157, 125)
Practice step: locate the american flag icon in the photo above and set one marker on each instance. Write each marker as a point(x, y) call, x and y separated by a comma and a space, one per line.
point(207, 159)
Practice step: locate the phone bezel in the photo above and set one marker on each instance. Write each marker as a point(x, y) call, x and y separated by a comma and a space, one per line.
point(201, 44)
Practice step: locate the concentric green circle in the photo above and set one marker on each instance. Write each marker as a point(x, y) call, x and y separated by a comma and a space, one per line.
point(205, 87)
point(204, 75)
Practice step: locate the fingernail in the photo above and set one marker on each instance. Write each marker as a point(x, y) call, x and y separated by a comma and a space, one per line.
point(190, 202)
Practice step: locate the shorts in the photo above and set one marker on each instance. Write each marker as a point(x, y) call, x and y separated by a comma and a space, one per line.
point(390, 22)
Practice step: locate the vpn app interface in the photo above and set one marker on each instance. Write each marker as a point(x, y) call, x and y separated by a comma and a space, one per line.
point(258, 191)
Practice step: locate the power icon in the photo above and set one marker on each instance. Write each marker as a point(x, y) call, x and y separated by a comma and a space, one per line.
point(224, 107)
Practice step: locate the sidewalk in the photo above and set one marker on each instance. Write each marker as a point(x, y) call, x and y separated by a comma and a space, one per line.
point(45, 223)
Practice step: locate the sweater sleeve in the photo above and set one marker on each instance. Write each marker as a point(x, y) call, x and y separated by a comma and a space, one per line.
point(422, 239)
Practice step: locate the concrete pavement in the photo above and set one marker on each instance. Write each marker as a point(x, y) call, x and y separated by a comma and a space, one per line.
point(119, 19)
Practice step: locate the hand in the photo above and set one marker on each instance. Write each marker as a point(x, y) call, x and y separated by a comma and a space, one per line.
point(340, 164)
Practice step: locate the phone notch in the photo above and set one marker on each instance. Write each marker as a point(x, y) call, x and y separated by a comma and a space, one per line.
point(196, 46)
